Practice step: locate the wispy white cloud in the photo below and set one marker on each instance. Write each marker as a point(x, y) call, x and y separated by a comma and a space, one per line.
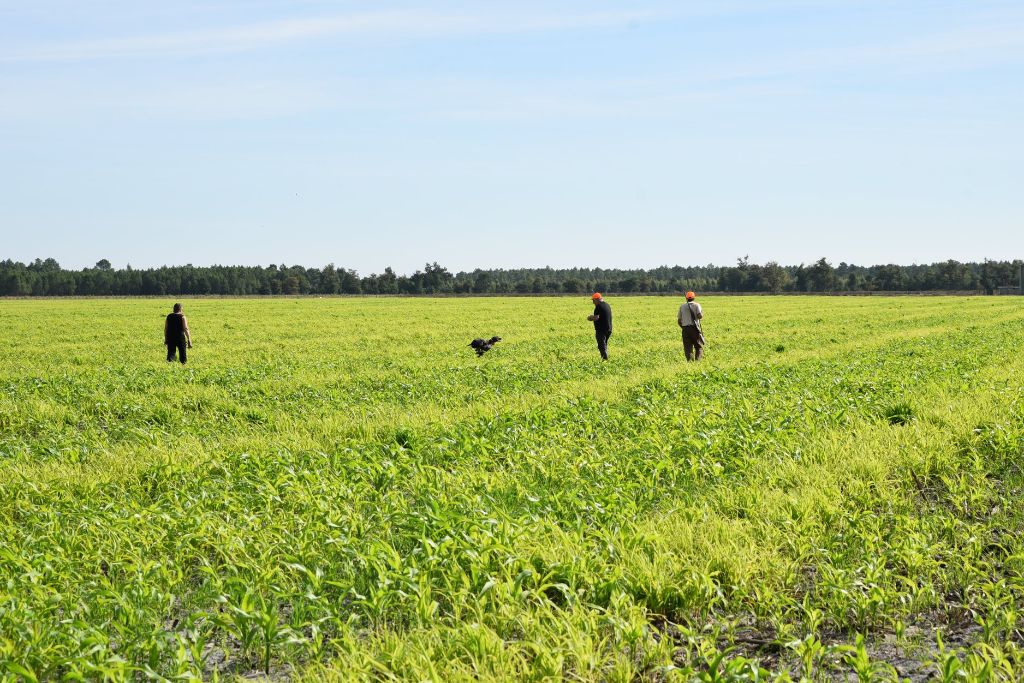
point(206, 95)
point(254, 36)
point(421, 24)
point(462, 99)
point(944, 50)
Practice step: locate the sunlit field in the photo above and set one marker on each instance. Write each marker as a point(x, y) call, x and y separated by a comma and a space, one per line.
point(340, 489)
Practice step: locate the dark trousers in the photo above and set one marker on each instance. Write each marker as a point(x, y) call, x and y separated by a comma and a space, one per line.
point(176, 345)
point(602, 342)
point(693, 344)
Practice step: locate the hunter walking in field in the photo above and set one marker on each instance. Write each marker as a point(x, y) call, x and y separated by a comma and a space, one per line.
point(602, 319)
point(689, 320)
point(176, 334)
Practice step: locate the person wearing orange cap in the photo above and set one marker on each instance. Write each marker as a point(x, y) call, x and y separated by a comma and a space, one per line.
point(602, 319)
point(689, 320)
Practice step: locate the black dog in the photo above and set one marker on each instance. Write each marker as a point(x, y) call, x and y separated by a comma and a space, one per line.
point(483, 346)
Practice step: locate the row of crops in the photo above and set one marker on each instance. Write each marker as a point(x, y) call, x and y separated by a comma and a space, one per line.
point(340, 489)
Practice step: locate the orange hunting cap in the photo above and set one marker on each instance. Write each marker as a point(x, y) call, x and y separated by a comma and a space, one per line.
point(597, 295)
point(691, 295)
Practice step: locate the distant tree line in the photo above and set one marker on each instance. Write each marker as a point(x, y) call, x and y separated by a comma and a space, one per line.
point(47, 278)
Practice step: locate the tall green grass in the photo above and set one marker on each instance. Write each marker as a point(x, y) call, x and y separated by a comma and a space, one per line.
point(340, 489)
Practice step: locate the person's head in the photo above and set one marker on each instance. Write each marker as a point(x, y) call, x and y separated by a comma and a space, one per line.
point(690, 296)
point(596, 296)
point(177, 308)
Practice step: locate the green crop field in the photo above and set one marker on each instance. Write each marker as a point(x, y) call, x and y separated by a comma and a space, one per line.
point(339, 489)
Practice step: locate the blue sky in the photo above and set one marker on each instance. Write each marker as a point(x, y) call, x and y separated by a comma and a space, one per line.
point(511, 134)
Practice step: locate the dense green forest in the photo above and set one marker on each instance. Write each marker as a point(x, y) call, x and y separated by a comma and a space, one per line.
point(48, 278)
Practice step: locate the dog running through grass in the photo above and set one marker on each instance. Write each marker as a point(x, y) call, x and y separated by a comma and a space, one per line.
point(483, 346)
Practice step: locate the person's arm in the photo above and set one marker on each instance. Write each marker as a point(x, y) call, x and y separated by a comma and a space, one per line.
point(679, 317)
point(167, 324)
point(188, 335)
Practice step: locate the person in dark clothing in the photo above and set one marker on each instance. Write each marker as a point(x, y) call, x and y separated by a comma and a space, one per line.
point(602, 319)
point(176, 335)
